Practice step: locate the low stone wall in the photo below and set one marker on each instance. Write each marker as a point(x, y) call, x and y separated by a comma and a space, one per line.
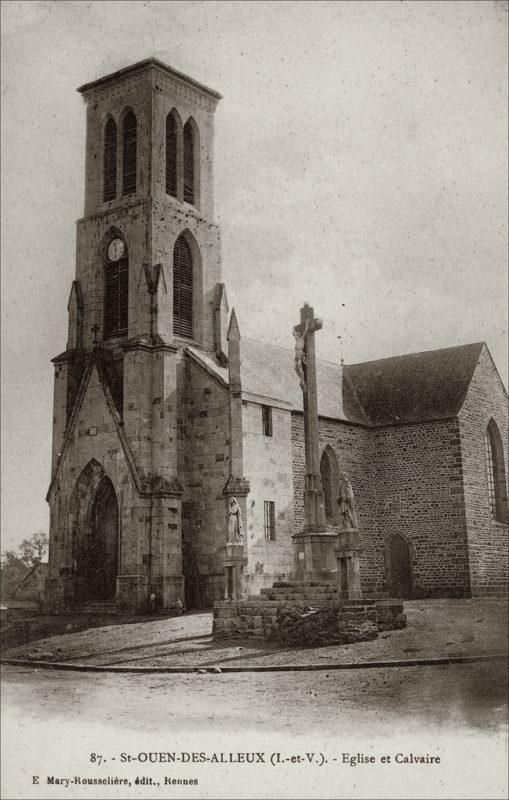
point(244, 617)
point(291, 622)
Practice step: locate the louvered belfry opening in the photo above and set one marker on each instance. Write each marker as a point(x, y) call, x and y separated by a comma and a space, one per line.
point(171, 155)
point(188, 163)
point(110, 161)
point(182, 289)
point(129, 154)
point(116, 301)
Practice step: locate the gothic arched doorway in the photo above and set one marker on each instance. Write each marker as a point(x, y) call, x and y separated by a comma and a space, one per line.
point(97, 557)
point(399, 567)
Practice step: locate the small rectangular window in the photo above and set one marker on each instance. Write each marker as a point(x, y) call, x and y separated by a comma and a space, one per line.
point(267, 420)
point(269, 524)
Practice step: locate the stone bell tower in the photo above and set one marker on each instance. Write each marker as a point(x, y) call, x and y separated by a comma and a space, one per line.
point(148, 268)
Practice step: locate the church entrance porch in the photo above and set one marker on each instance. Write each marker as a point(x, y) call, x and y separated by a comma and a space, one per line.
point(399, 567)
point(97, 556)
point(93, 537)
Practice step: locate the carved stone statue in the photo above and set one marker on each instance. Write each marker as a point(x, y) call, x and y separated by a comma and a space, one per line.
point(300, 354)
point(234, 522)
point(346, 503)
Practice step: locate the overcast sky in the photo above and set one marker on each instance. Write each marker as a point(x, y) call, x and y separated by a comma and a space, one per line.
point(360, 164)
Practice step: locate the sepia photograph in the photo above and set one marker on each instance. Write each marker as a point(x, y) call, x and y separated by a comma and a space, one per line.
point(254, 359)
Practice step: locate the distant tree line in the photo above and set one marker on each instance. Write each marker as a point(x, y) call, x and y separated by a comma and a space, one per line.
point(16, 564)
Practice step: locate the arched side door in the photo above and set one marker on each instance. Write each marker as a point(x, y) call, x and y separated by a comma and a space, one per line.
point(399, 567)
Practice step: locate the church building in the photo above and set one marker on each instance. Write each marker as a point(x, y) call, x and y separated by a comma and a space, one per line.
point(163, 412)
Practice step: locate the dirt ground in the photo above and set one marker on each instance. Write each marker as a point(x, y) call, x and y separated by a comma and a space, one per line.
point(57, 723)
point(468, 695)
point(436, 628)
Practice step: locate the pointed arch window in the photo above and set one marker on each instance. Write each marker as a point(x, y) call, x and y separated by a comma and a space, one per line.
point(188, 162)
point(110, 161)
point(495, 473)
point(129, 136)
point(116, 290)
point(326, 475)
point(171, 155)
point(182, 289)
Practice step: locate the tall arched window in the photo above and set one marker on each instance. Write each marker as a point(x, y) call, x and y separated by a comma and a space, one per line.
point(110, 161)
point(182, 289)
point(188, 162)
point(326, 475)
point(129, 154)
point(116, 290)
point(495, 473)
point(171, 155)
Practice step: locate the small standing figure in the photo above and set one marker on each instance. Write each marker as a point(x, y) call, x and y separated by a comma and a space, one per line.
point(300, 354)
point(234, 522)
point(152, 603)
point(346, 502)
point(179, 606)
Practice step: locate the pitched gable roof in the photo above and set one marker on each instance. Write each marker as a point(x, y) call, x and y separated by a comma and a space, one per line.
point(95, 362)
point(404, 389)
point(269, 371)
point(417, 387)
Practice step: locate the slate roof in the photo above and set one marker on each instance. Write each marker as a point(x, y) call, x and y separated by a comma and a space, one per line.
point(403, 389)
point(415, 387)
point(267, 372)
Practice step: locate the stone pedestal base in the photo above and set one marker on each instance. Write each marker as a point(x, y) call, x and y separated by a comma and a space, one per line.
point(132, 592)
point(234, 563)
point(347, 554)
point(137, 589)
point(59, 594)
point(314, 555)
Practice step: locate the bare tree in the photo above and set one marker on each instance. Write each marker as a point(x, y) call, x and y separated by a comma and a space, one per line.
point(33, 549)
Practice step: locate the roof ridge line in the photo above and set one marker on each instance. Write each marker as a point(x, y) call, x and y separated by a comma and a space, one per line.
point(417, 353)
point(286, 349)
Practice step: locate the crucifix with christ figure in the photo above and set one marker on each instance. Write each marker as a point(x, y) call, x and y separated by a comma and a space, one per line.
point(305, 367)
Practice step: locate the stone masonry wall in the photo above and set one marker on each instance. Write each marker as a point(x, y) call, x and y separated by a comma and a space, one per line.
point(351, 448)
point(203, 458)
point(487, 538)
point(419, 494)
point(95, 437)
point(268, 467)
point(406, 480)
point(149, 220)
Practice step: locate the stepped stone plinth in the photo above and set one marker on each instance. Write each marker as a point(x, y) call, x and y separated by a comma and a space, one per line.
point(261, 615)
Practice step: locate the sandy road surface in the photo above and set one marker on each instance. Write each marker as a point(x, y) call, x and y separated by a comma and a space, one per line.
point(464, 695)
point(53, 721)
point(436, 628)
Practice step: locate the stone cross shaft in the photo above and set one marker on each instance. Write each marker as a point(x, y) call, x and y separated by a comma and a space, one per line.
point(313, 495)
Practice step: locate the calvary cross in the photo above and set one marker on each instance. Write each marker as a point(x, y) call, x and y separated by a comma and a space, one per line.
point(305, 366)
point(305, 349)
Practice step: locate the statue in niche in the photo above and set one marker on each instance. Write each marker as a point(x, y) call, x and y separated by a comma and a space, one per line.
point(346, 503)
point(300, 354)
point(234, 522)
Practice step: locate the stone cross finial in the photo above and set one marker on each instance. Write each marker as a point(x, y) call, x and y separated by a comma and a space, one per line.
point(307, 314)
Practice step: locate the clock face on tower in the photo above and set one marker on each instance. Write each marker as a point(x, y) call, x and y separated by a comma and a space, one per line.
point(116, 250)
